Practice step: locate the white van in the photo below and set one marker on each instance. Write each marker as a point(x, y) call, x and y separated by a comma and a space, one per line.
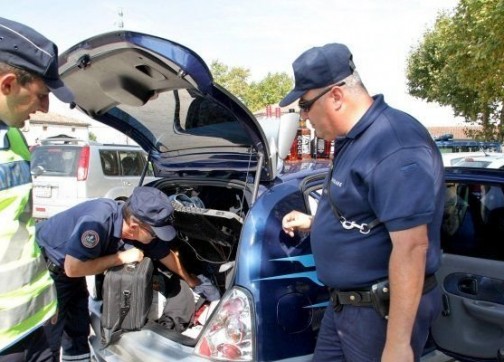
point(68, 171)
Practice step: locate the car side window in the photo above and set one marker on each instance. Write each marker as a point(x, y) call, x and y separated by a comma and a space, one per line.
point(109, 162)
point(149, 172)
point(131, 163)
point(473, 222)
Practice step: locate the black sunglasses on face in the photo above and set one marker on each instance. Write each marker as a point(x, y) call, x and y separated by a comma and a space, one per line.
point(305, 106)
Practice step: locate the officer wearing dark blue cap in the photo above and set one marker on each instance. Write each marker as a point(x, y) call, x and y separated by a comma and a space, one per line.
point(376, 233)
point(24, 48)
point(89, 239)
point(28, 73)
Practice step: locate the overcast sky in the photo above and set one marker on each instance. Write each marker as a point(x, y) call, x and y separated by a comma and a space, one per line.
point(261, 35)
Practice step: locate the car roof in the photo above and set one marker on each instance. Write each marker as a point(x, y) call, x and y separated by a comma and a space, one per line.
point(485, 161)
point(68, 141)
point(451, 158)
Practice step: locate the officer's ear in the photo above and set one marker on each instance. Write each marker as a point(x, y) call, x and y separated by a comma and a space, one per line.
point(7, 81)
point(130, 228)
point(134, 225)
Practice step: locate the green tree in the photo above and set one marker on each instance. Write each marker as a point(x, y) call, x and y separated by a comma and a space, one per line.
point(255, 95)
point(269, 90)
point(92, 136)
point(233, 79)
point(459, 64)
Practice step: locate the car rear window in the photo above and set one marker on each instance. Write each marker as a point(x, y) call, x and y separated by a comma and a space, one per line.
point(184, 120)
point(56, 160)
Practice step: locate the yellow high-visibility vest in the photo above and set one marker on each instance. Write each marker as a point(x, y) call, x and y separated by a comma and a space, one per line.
point(27, 293)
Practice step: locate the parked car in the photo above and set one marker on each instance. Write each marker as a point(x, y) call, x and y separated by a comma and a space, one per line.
point(203, 142)
point(68, 171)
point(446, 143)
point(494, 160)
point(452, 158)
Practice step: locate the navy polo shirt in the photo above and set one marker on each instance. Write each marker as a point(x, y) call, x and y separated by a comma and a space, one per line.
point(387, 167)
point(90, 230)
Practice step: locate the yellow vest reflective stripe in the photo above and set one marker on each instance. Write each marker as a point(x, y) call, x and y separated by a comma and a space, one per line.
point(27, 294)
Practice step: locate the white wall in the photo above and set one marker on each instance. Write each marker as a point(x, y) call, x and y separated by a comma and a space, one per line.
point(37, 132)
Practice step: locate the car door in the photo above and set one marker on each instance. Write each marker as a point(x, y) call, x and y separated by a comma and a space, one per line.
point(471, 276)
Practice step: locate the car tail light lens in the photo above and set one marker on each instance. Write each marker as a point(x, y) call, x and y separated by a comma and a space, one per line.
point(229, 334)
point(83, 165)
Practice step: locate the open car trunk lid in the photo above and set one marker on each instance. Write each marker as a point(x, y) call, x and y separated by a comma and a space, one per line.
point(162, 95)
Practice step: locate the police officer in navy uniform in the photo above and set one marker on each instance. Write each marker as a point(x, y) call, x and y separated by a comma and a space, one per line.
point(88, 239)
point(376, 233)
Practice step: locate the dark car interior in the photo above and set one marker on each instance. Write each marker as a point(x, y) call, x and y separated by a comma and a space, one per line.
point(471, 274)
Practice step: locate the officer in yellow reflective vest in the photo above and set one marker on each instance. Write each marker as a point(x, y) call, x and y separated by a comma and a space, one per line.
point(28, 73)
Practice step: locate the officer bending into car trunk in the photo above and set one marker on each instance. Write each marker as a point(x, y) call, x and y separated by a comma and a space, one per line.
point(375, 235)
point(88, 239)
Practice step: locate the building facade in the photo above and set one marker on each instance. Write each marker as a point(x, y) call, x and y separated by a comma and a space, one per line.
point(44, 125)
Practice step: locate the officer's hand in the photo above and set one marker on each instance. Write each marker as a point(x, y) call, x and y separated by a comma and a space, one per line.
point(296, 220)
point(131, 255)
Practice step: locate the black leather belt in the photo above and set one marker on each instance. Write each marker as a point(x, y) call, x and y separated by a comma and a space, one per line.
point(364, 298)
point(52, 266)
point(55, 268)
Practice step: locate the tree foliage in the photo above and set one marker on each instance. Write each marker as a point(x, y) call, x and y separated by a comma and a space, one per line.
point(234, 79)
point(255, 95)
point(459, 63)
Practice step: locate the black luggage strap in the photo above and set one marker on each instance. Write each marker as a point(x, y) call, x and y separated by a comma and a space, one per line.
point(116, 330)
point(363, 298)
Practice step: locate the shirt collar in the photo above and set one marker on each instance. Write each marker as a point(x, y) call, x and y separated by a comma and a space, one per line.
point(369, 117)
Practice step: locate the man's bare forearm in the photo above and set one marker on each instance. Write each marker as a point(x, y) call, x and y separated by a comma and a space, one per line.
point(406, 275)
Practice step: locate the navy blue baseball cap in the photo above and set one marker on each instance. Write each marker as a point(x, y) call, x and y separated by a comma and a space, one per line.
point(22, 47)
point(152, 207)
point(319, 67)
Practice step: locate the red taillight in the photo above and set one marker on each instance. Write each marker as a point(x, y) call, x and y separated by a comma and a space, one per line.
point(83, 165)
point(229, 334)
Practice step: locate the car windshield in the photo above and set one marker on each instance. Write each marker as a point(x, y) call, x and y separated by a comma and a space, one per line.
point(55, 160)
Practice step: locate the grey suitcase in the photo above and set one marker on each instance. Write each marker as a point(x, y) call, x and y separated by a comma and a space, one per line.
point(127, 298)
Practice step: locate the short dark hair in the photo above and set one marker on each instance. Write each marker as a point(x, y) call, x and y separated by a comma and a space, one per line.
point(127, 214)
point(24, 76)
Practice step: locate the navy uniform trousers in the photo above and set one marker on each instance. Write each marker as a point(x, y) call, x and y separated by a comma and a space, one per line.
point(71, 331)
point(32, 348)
point(357, 334)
